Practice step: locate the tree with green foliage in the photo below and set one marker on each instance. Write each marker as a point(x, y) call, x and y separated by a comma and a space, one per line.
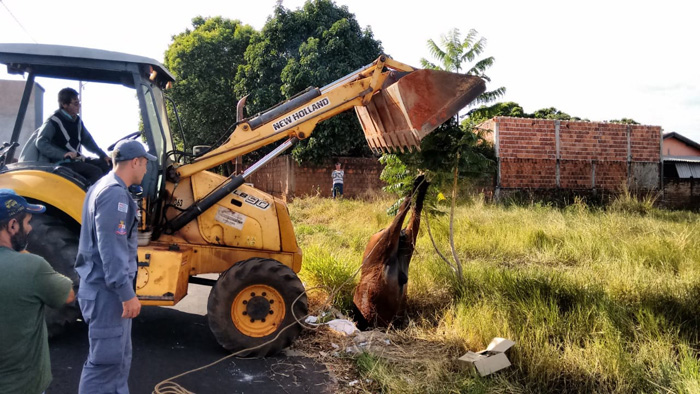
point(312, 46)
point(552, 113)
point(454, 147)
point(513, 109)
point(482, 113)
point(451, 147)
point(624, 121)
point(454, 53)
point(452, 151)
point(204, 61)
point(448, 154)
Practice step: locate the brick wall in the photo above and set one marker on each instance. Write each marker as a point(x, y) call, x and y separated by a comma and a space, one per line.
point(526, 138)
point(274, 177)
point(543, 154)
point(527, 173)
point(575, 174)
point(283, 177)
point(611, 175)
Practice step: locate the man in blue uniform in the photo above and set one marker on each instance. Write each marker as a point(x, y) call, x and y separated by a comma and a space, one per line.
point(106, 264)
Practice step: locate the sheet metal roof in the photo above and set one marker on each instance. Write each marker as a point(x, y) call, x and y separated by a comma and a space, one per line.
point(688, 170)
point(687, 159)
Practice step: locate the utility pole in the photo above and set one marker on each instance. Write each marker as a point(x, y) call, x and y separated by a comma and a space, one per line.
point(80, 97)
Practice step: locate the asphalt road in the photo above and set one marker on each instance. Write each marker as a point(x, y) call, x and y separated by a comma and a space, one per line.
point(169, 341)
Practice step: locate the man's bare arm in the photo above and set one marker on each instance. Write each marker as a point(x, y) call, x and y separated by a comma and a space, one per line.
point(71, 296)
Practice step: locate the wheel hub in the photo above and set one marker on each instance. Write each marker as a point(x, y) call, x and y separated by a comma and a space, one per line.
point(258, 310)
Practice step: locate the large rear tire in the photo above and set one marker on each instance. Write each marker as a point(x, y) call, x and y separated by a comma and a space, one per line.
point(251, 305)
point(55, 241)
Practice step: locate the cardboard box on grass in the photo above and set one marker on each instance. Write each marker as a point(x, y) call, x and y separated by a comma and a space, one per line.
point(490, 360)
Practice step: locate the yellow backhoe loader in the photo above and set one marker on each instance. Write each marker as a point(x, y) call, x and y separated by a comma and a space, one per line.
point(195, 221)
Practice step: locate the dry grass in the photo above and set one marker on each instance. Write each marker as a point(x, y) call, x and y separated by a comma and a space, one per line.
point(318, 344)
point(597, 300)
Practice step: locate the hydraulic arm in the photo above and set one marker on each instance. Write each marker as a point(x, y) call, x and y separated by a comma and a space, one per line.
point(397, 106)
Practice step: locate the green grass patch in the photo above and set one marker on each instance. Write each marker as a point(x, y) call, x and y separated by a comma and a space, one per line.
point(597, 299)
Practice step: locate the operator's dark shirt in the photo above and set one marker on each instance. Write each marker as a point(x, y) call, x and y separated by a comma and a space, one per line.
point(59, 135)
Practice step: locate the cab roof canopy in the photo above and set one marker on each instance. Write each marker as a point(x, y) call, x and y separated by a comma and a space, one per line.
point(84, 64)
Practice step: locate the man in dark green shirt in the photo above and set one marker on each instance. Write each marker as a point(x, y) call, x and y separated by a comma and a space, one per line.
point(27, 283)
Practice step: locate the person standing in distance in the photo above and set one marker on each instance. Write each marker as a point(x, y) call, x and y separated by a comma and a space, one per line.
point(106, 264)
point(337, 176)
point(27, 284)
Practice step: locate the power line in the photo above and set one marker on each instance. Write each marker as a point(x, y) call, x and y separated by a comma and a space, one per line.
point(17, 20)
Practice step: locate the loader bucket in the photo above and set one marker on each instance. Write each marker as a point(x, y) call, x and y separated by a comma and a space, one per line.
point(411, 105)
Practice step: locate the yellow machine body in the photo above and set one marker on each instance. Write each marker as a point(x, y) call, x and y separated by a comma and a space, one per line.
point(162, 275)
point(396, 109)
point(248, 219)
point(49, 188)
point(250, 223)
point(195, 221)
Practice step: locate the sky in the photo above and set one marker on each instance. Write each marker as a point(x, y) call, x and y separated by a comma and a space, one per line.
point(599, 60)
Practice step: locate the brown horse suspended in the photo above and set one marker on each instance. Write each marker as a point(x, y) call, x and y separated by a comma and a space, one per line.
point(381, 294)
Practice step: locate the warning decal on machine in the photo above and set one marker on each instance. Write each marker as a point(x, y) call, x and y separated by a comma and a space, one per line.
point(230, 218)
point(301, 114)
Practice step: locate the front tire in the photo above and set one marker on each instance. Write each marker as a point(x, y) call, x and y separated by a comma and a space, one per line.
point(55, 241)
point(254, 302)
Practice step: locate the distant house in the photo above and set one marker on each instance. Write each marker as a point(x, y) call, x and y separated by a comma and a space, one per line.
point(681, 166)
point(681, 157)
point(9, 105)
point(675, 145)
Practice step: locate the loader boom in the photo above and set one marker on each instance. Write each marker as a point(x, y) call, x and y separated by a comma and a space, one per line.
point(391, 123)
point(196, 221)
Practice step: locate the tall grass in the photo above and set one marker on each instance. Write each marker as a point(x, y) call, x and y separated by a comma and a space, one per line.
point(596, 299)
point(333, 235)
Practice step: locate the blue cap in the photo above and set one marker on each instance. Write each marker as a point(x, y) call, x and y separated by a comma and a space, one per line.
point(12, 204)
point(130, 149)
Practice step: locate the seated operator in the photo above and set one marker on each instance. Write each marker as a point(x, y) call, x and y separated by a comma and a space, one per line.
point(60, 138)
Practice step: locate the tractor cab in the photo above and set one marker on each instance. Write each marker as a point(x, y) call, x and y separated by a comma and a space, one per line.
point(146, 77)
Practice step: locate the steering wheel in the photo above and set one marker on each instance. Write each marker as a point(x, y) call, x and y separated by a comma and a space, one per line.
point(131, 136)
